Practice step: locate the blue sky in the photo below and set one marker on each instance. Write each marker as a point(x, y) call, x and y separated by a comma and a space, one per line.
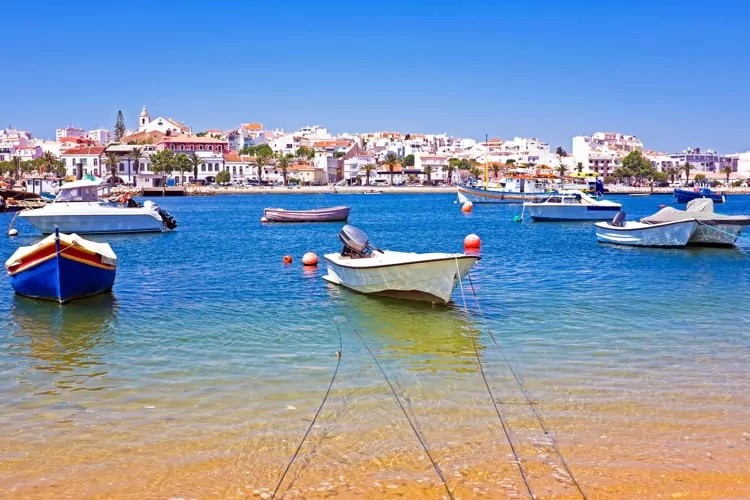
point(676, 74)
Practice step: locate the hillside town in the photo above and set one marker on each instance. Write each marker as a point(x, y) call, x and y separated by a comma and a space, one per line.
point(163, 151)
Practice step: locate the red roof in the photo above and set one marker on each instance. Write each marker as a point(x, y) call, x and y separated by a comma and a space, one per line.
point(253, 126)
point(85, 150)
point(192, 139)
point(331, 143)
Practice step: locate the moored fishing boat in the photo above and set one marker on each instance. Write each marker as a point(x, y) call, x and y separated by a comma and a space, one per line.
point(571, 206)
point(513, 189)
point(713, 228)
point(425, 277)
point(62, 267)
point(686, 195)
point(333, 214)
point(666, 234)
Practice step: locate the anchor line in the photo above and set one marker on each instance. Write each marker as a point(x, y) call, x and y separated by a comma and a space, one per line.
point(503, 423)
point(317, 413)
point(527, 395)
point(411, 424)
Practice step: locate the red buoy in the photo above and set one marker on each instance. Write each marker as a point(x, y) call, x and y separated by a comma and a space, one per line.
point(310, 259)
point(472, 241)
point(287, 259)
point(466, 207)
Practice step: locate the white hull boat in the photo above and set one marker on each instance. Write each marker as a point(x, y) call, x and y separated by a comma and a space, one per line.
point(667, 234)
point(570, 206)
point(77, 209)
point(427, 277)
point(713, 229)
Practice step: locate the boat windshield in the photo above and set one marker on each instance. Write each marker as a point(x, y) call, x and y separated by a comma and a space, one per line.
point(83, 193)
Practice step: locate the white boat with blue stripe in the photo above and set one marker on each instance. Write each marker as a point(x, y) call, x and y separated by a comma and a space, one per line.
point(571, 205)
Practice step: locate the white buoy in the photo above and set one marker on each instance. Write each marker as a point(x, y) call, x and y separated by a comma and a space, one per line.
point(13, 232)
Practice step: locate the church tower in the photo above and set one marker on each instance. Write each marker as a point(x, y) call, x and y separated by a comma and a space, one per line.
point(145, 118)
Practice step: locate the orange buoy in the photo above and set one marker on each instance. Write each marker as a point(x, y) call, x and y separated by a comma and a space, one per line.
point(466, 207)
point(287, 259)
point(472, 241)
point(310, 259)
point(263, 219)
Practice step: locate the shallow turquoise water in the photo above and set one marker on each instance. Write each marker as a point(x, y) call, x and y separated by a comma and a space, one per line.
point(207, 331)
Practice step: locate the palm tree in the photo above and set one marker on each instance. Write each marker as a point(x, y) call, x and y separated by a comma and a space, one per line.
point(16, 162)
point(450, 168)
point(283, 163)
point(672, 172)
point(496, 169)
point(579, 167)
point(562, 170)
point(686, 168)
point(183, 164)
point(390, 161)
point(135, 157)
point(727, 170)
point(260, 161)
point(427, 170)
point(112, 162)
point(195, 162)
point(368, 169)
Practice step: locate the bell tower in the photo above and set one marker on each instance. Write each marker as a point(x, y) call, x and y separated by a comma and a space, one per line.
point(145, 118)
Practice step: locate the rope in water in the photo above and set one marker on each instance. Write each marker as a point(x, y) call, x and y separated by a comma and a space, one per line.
point(413, 428)
point(317, 413)
point(528, 397)
point(733, 236)
point(503, 423)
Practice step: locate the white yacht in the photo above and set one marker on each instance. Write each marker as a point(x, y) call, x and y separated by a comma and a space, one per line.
point(427, 277)
point(77, 209)
point(571, 205)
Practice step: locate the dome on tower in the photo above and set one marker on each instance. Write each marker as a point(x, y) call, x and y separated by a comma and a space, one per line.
point(144, 111)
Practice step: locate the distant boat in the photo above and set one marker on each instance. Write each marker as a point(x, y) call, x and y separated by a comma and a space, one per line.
point(666, 234)
point(511, 190)
point(372, 191)
point(334, 214)
point(62, 267)
point(570, 206)
point(427, 277)
point(686, 195)
point(640, 194)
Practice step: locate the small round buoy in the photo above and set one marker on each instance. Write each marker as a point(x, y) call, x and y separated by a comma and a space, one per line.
point(662, 205)
point(263, 219)
point(472, 241)
point(466, 207)
point(287, 259)
point(13, 232)
point(517, 218)
point(310, 259)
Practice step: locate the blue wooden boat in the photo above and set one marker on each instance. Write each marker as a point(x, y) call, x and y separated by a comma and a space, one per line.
point(62, 267)
point(686, 195)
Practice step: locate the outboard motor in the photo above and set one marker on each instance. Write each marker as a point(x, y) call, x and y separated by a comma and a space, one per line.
point(356, 242)
point(619, 220)
point(169, 221)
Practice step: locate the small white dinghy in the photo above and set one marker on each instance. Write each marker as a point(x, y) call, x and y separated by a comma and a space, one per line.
point(427, 277)
point(667, 234)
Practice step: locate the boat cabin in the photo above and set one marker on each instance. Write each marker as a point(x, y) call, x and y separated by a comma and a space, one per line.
point(79, 191)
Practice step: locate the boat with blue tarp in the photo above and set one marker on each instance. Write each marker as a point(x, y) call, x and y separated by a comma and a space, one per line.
point(686, 195)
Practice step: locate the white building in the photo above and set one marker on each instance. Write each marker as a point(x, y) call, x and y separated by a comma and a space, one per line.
point(352, 169)
point(247, 135)
point(603, 152)
point(743, 163)
point(313, 132)
point(69, 131)
point(83, 160)
point(10, 140)
point(437, 166)
point(101, 136)
point(168, 126)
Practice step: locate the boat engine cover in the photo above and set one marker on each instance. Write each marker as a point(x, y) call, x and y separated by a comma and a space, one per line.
point(354, 239)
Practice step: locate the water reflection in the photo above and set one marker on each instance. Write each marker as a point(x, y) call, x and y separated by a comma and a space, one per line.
point(65, 343)
point(425, 336)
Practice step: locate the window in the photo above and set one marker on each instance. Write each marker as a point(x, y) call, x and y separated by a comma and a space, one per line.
point(203, 167)
point(84, 161)
point(122, 167)
point(182, 147)
point(200, 147)
point(95, 162)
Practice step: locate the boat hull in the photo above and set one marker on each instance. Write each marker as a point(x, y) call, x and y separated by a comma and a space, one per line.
point(430, 280)
point(475, 195)
point(684, 196)
point(670, 234)
point(69, 275)
point(335, 214)
point(547, 212)
point(133, 222)
point(716, 234)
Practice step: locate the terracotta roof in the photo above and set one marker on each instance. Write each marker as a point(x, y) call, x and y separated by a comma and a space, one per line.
point(331, 143)
point(85, 150)
point(235, 157)
point(155, 137)
point(252, 126)
point(76, 139)
point(192, 139)
point(27, 147)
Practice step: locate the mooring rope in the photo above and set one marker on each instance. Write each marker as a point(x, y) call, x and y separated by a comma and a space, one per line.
point(503, 423)
point(526, 394)
point(317, 413)
point(413, 428)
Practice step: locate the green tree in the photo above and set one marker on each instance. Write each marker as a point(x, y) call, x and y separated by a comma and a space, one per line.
point(495, 167)
point(263, 156)
point(119, 126)
point(560, 151)
point(562, 170)
point(283, 161)
point(728, 171)
point(182, 164)
point(223, 177)
point(368, 169)
point(452, 166)
point(660, 177)
point(195, 162)
point(112, 161)
point(672, 172)
point(52, 164)
point(390, 161)
point(579, 167)
point(427, 170)
point(699, 178)
point(163, 162)
point(305, 153)
point(15, 161)
point(408, 161)
point(135, 156)
point(687, 167)
point(635, 165)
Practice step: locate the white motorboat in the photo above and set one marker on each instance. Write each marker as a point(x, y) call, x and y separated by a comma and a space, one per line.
point(77, 209)
point(427, 277)
point(665, 234)
point(513, 189)
point(571, 205)
point(713, 228)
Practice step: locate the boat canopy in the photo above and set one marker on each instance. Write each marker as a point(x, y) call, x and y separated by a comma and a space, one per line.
point(83, 190)
point(701, 209)
point(66, 240)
